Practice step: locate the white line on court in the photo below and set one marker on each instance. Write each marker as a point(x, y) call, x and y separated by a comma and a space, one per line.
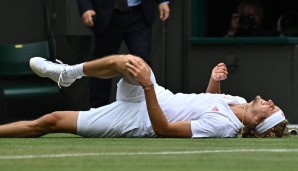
point(145, 153)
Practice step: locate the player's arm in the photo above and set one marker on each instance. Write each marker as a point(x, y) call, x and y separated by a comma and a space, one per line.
point(158, 120)
point(218, 74)
point(141, 72)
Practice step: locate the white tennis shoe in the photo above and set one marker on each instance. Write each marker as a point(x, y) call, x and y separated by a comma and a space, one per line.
point(55, 71)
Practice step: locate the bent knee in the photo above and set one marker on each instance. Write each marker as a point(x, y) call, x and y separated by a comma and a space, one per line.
point(125, 59)
point(137, 58)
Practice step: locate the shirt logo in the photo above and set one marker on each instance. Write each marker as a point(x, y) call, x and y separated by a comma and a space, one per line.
point(215, 109)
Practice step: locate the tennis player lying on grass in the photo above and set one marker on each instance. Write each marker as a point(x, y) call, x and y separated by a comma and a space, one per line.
point(145, 109)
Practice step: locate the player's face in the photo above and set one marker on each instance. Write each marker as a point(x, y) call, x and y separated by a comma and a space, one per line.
point(260, 110)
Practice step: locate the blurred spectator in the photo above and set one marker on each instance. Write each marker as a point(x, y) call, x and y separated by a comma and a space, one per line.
point(114, 22)
point(248, 21)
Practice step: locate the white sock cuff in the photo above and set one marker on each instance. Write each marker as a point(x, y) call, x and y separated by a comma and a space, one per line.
point(78, 70)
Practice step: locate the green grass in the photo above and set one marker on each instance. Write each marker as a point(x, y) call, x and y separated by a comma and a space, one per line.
point(50, 153)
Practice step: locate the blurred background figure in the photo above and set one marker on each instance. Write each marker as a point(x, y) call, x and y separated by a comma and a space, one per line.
point(114, 22)
point(248, 21)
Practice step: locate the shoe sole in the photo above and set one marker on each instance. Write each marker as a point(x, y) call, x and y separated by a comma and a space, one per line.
point(31, 64)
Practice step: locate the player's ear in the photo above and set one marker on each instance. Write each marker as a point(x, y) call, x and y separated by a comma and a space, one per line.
point(258, 119)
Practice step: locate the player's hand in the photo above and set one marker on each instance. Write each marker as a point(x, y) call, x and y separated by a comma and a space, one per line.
point(87, 18)
point(219, 72)
point(139, 70)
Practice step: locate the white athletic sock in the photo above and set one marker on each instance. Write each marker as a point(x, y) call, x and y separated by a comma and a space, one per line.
point(76, 71)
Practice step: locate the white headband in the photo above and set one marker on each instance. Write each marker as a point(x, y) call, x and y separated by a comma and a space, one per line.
point(270, 122)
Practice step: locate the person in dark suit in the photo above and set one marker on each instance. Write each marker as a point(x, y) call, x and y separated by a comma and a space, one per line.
point(113, 24)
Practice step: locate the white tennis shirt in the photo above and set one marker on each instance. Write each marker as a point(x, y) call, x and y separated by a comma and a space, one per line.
point(210, 114)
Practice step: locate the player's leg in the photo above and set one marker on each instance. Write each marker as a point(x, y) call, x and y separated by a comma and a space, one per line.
point(65, 75)
point(56, 122)
point(110, 66)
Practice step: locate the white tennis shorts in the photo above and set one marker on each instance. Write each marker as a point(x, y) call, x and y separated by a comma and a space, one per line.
point(121, 118)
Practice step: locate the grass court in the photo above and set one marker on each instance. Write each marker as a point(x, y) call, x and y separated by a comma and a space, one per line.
point(62, 152)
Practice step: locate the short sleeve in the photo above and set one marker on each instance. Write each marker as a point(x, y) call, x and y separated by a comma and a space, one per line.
point(212, 126)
